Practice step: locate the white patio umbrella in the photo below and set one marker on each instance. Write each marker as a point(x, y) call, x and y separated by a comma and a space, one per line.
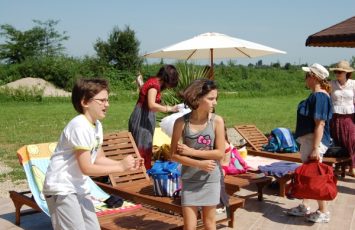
point(213, 45)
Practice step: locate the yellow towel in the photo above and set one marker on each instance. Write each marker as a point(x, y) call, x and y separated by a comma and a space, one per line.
point(160, 138)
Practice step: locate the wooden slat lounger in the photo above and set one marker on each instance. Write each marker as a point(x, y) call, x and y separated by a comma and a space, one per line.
point(142, 217)
point(136, 186)
point(256, 139)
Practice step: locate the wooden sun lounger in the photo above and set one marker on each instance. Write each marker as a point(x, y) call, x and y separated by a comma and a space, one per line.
point(243, 180)
point(23, 198)
point(141, 217)
point(136, 186)
point(256, 139)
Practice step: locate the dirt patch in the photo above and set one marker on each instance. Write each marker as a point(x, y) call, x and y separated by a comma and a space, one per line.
point(5, 186)
point(29, 83)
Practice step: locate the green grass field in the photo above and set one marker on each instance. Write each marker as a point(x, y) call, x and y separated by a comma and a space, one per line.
point(37, 122)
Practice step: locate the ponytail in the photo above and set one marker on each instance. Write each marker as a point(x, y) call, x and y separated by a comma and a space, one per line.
point(324, 84)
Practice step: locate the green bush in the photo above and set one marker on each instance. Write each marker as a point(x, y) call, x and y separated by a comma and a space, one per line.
point(21, 94)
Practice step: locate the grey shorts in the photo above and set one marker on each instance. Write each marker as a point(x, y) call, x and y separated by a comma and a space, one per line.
point(72, 211)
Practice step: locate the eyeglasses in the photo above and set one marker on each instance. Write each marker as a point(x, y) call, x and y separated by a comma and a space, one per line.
point(338, 72)
point(101, 101)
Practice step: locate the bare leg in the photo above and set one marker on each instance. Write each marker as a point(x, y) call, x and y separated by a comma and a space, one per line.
point(322, 204)
point(209, 217)
point(190, 217)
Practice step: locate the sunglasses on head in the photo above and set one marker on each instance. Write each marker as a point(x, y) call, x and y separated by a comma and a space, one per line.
point(207, 84)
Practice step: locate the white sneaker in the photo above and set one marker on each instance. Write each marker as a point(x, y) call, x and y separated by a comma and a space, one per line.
point(319, 217)
point(220, 210)
point(300, 210)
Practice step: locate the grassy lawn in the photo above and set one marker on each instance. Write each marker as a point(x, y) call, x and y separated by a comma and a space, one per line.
point(30, 122)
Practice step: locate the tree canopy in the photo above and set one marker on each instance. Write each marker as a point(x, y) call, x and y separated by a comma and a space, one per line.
point(120, 50)
point(41, 40)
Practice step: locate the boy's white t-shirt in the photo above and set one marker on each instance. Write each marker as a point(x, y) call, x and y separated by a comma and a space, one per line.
point(63, 174)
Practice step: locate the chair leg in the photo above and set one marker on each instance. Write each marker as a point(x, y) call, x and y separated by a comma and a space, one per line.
point(343, 169)
point(260, 190)
point(18, 207)
point(282, 190)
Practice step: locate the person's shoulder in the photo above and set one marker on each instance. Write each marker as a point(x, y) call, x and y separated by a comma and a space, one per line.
point(180, 119)
point(79, 121)
point(321, 94)
point(179, 122)
point(321, 97)
point(218, 119)
point(152, 82)
point(184, 117)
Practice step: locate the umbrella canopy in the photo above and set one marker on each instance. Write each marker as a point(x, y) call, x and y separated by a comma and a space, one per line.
point(213, 45)
point(339, 35)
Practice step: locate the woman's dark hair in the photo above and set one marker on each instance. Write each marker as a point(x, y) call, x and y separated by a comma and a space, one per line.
point(348, 75)
point(196, 90)
point(86, 89)
point(168, 76)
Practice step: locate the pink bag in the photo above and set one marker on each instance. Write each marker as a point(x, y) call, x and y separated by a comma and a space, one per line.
point(237, 165)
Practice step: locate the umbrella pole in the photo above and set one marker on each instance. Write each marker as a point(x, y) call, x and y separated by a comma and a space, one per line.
point(211, 74)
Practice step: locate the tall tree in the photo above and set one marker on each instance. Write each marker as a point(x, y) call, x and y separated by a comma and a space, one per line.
point(120, 50)
point(41, 40)
point(50, 42)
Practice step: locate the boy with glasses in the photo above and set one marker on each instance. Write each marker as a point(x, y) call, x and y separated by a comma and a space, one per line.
point(79, 155)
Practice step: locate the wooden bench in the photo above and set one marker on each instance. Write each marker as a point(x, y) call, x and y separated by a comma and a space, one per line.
point(137, 186)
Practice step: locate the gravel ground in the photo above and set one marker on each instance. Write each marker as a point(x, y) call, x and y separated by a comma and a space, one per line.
point(7, 185)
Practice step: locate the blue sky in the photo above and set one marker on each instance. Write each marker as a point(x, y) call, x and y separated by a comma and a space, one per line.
point(280, 24)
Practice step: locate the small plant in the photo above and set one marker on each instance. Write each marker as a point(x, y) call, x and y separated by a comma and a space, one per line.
point(187, 74)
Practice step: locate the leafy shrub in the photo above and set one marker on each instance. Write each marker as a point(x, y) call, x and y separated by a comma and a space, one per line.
point(21, 94)
point(187, 74)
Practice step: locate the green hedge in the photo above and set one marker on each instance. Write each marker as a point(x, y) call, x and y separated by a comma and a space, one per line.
point(241, 81)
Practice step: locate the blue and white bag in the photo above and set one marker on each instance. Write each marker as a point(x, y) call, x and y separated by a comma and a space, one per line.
point(166, 177)
point(281, 140)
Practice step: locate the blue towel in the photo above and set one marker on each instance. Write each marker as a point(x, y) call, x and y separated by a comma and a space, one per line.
point(279, 169)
